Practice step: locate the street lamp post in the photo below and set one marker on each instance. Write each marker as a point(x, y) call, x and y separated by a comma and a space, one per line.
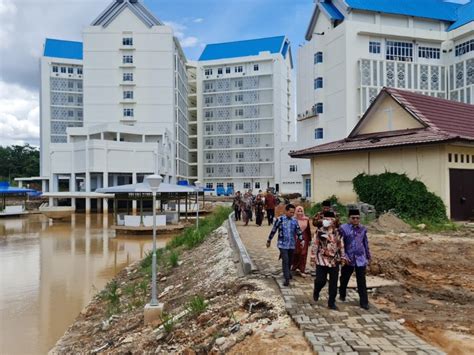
point(153, 310)
point(197, 183)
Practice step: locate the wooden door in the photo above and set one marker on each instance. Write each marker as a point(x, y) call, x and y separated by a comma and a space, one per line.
point(461, 184)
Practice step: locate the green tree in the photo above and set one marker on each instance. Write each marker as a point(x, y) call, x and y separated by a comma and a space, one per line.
point(18, 161)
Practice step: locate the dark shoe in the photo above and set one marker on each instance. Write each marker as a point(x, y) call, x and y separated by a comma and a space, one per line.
point(342, 299)
point(365, 306)
point(333, 307)
point(315, 297)
point(286, 283)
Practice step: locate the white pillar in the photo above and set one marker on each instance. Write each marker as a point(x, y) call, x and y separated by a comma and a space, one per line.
point(134, 202)
point(105, 183)
point(20, 184)
point(43, 185)
point(72, 188)
point(88, 189)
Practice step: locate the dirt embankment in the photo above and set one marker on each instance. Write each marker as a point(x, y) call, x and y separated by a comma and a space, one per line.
point(436, 293)
point(242, 314)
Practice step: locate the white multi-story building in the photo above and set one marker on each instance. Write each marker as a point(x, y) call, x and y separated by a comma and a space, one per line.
point(354, 48)
point(243, 115)
point(114, 108)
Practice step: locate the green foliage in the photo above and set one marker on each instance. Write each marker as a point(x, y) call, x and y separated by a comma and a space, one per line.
point(197, 305)
point(193, 236)
point(408, 198)
point(168, 322)
point(18, 161)
point(111, 296)
point(173, 258)
point(339, 208)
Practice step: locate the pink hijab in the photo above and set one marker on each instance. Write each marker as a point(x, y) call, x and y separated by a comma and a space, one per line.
point(302, 220)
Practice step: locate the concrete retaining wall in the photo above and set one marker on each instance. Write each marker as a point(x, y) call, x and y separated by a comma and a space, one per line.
point(247, 264)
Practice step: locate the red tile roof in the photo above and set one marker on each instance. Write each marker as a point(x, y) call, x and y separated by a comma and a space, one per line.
point(445, 121)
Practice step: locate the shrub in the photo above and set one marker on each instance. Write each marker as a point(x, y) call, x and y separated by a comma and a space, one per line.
point(409, 198)
point(111, 296)
point(197, 305)
point(174, 258)
point(167, 321)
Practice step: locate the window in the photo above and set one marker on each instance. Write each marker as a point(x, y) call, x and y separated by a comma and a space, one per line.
point(464, 48)
point(219, 70)
point(55, 69)
point(79, 71)
point(455, 158)
point(462, 158)
point(127, 59)
point(227, 70)
point(209, 142)
point(238, 84)
point(209, 156)
point(239, 140)
point(70, 99)
point(128, 95)
point(127, 76)
point(230, 184)
point(209, 185)
point(428, 52)
point(293, 168)
point(220, 184)
point(209, 128)
point(239, 155)
point(401, 51)
point(257, 185)
point(239, 126)
point(318, 83)
point(319, 108)
point(239, 97)
point(374, 47)
point(239, 169)
point(127, 41)
point(63, 70)
point(79, 100)
point(239, 111)
point(208, 86)
point(238, 69)
point(208, 100)
point(210, 170)
point(207, 71)
point(208, 114)
point(70, 113)
point(70, 70)
point(247, 185)
point(70, 84)
point(79, 84)
point(128, 112)
point(318, 57)
point(318, 134)
point(79, 113)
point(255, 67)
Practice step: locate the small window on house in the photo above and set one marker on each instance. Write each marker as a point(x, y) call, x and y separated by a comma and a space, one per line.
point(209, 142)
point(55, 69)
point(319, 107)
point(318, 57)
point(239, 169)
point(255, 67)
point(257, 185)
point(239, 155)
point(209, 156)
point(318, 83)
point(209, 185)
point(70, 113)
point(79, 113)
point(79, 84)
point(210, 170)
point(79, 99)
point(127, 76)
point(239, 111)
point(318, 133)
point(462, 158)
point(207, 71)
point(429, 52)
point(238, 84)
point(374, 47)
point(227, 70)
point(220, 184)
point(70, 84)
point(79, 71)
point(230, 184)
point(450, 157)
point(128, 95)
point(70, 99)
point(70, 70)
point(128, 112)
point(293, 168)
point(209, 128)
point(239, 126)
point(63, 70)
point(127, 41)
point(219, 70)
point(127, 59)
point(208, 86)
point(239, 97)
point(247, 185)
point(467, 158)
point(208, 100)
point(455, 158)
point(239, 140)
point(239, 69)
point(209, 114)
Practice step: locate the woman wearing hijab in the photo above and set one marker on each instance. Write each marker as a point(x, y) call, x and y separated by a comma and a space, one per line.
point(301, 252)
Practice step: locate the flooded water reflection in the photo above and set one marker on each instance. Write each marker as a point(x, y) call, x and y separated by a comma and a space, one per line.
point(50, 271)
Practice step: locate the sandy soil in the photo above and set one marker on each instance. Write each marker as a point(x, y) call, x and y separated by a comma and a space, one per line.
point(435, 297)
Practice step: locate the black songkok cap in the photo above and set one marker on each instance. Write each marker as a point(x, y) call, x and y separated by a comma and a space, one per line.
point(354, 212)
point(327, 203)
point(329, 214)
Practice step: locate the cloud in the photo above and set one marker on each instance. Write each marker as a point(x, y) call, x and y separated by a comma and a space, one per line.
point(19, 116)
point(179, 29)
point(198, 20)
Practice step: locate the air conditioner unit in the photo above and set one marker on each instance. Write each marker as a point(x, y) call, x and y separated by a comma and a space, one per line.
point(57, 74)
point(243, 73)
point(70, 75)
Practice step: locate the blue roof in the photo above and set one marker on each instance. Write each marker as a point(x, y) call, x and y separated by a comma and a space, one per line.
point(6, 189)
point(433, 9)
point(465, 14)
point(57, 48)
point(332, 11)
point(244, 48)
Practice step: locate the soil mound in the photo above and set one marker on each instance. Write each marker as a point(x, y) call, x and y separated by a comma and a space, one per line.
point(389, 222)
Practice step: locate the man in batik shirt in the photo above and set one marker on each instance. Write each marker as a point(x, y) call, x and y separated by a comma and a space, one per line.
point(288, 228)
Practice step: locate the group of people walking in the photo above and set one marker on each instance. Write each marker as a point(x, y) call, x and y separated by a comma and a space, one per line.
point(247, 205)
point(333, 248)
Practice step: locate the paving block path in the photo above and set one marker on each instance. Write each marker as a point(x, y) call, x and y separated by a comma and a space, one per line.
point(351, 330)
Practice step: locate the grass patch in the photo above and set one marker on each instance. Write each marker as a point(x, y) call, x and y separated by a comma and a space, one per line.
point(111, 297)
point(197, 305)
point(168, 322)
point(433, 226)
point(173, 258)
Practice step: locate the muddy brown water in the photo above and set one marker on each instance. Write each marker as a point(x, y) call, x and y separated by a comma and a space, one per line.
point(50, 270)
